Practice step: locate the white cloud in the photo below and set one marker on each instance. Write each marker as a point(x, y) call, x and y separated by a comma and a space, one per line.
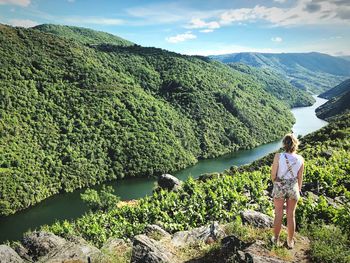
point(276, 39)
point(304, 12)
point(181, 37)
point(206, 30)
point(280, 1)
point(15, 2)
point(93, 21)
point(199, 23)
point(23, 22)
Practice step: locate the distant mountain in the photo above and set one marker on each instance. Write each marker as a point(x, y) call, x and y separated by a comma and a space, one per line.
point(337, 90)
point(274, 84)
point(83, 35)
point(339, 101)
point(314, 72)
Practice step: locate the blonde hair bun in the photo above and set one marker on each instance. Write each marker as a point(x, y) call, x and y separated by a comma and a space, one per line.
point(290, 143)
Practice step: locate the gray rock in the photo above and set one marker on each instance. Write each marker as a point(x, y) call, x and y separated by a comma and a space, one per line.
point(114, 244)
point(256, 219)
point(82, 252)
point(8, 255)
point(146, 250)
point(156, 232)
point(256, 253)
point(205, 234)
point(47, 247)
point(21, 251)
point(167, 181)
point(40, 243)
point(251, 258)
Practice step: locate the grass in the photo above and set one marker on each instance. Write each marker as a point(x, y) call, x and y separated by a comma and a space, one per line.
point(328, 243)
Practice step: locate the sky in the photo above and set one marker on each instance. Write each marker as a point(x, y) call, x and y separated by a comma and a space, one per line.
point(200, 27)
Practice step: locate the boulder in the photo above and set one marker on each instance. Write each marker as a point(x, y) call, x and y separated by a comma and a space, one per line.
point(47, 247)
point(40, 243)
point(156, 232)
point(73, 252)
point(146, 250)
point(21, 251)
point(256, 219)
point(257, 253)
point(206, 234)
point(169, 182)
point(8, 255)
point(114, 244)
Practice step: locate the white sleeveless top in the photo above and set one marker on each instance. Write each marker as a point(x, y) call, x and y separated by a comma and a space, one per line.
point(295, 161)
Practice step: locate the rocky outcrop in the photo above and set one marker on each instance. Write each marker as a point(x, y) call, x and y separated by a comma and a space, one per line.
point(206, 234)
point(169, 182)
point(40, 244)
point(156, 232)
point(8, 255)
point(147, 250)
point(256, 219)
point(78, 251)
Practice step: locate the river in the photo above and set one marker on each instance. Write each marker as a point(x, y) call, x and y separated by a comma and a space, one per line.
point(69, 205)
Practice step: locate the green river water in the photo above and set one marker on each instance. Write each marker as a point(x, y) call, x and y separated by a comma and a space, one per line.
point(69, 205)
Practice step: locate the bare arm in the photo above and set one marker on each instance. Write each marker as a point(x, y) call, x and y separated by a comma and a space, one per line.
point(274, 167)
point(300, 176)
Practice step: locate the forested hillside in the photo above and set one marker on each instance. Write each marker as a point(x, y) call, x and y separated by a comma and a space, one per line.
point(335, 106)
point(75, 114)
point(276, 85)
point(83, 35)
point(338, 90)
point(314, 72)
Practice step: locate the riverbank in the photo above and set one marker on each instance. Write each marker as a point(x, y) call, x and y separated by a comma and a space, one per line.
point(68, 206)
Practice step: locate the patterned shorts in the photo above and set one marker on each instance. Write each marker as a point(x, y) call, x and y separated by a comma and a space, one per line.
point(286, 189)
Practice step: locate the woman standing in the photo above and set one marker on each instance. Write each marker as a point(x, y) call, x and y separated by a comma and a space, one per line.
point(287, 177)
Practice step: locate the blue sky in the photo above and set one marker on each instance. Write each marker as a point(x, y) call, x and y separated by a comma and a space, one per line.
point(200, 27)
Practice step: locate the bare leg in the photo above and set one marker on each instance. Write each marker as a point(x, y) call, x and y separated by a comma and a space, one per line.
point(278, 217)
point(291, 205)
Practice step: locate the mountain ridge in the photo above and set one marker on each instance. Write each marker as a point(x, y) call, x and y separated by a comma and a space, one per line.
point(82, 34)
point(313, 71)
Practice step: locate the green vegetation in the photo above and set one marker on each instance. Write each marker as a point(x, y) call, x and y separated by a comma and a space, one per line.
point(339, 101)
point(75, 115)
point(276, 85)
point(223, 196)
point(103, 200)
point(328, 244)
point(313, 72)
point(83, 35)
point(338, 90)
point(335, 106)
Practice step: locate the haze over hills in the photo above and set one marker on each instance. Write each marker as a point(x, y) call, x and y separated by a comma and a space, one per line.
point(314, 72)
point(75, 114)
